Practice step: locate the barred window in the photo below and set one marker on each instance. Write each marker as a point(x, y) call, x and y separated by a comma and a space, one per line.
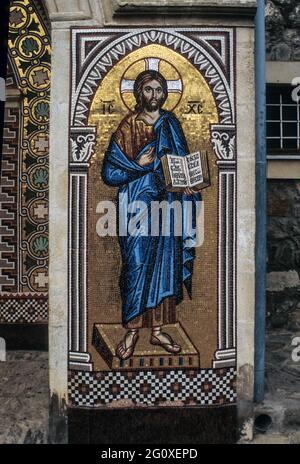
point(283, 123)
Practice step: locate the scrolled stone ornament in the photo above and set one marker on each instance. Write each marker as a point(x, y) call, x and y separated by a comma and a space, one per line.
point(82, 147)
point(224, 145)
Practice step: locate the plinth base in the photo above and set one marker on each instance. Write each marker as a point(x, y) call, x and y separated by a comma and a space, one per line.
point(106, 337)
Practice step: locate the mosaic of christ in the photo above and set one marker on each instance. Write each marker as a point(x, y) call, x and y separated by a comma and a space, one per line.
point(154, 268)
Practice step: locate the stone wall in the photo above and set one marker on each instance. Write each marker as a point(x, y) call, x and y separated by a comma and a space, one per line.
point(283, 283)
point(283, 30)
point(283, 304)
point(283, 294)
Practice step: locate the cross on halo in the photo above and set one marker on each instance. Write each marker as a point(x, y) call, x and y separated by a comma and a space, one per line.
point(174, 86)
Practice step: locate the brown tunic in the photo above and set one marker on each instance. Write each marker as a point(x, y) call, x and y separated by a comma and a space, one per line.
point(132, 135)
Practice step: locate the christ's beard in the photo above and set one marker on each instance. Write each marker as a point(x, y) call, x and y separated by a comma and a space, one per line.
point(152, 105)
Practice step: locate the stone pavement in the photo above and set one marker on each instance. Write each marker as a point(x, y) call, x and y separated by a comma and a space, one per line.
point(24, 397)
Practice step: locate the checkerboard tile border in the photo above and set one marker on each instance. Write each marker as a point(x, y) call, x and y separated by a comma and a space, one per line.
point(24, 310)
point(204, 387)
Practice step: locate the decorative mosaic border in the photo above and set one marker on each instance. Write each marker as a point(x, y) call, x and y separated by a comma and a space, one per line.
point(96, 51)
point(23, 310)
point(211, 387)
point(24, 180)
point(9, 201)
point(29, 56)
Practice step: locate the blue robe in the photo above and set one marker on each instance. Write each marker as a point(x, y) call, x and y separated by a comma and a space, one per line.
point(153, 267)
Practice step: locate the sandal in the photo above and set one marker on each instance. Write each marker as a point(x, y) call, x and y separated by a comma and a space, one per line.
point(171, 347)
point(124, 353)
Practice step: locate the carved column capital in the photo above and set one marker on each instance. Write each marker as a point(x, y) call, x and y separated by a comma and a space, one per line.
point(223, 140)
point(83, 140)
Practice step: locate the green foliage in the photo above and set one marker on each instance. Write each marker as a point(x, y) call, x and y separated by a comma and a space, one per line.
point(40, 178)
point(42, 110)
point(30, 46)
point(40, 246)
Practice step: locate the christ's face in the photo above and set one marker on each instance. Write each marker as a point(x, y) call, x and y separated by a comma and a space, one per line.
point(153, 95)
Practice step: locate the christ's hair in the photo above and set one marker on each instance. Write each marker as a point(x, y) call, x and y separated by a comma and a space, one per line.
point(141, 80)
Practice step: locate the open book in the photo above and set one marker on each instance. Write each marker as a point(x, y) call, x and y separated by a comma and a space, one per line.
point(186, 171)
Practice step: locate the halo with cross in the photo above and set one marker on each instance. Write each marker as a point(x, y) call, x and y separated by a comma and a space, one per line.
point(168, 70)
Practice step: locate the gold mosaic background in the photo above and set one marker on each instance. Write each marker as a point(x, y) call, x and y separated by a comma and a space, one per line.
point(199, 315)
point(30, 53)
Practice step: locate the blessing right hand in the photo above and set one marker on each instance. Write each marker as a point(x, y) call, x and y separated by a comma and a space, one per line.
point(147, 158)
